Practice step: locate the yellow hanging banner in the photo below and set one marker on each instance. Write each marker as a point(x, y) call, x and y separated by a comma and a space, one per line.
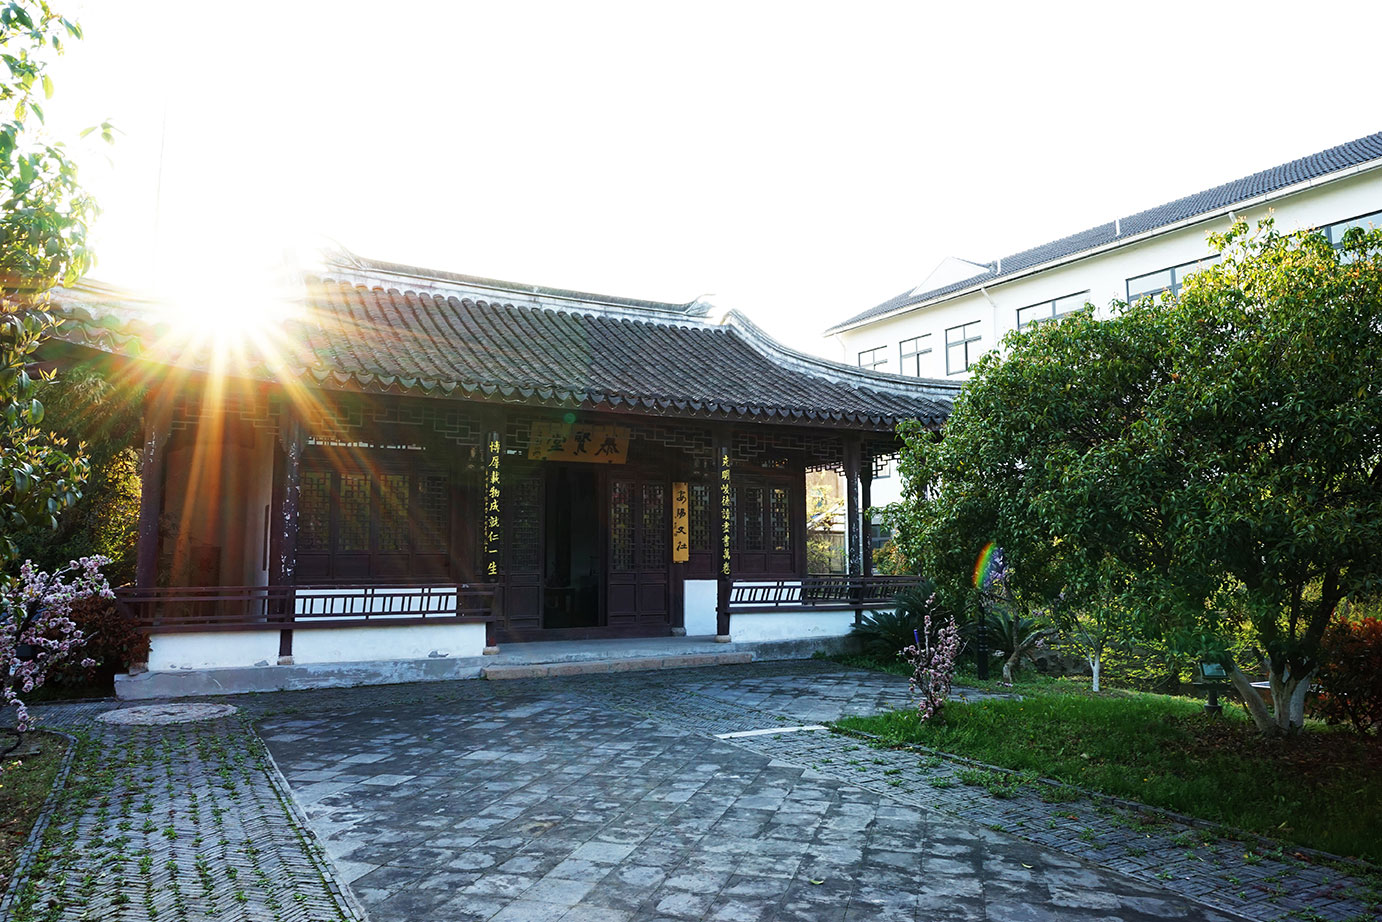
point(577, 442)
point(681, 517)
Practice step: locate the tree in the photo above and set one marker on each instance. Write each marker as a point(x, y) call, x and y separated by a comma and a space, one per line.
point(1196, 459)
point(44, 218)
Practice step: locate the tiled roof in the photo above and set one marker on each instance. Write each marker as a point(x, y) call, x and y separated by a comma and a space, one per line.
point(436, 340)
point(1218, 198)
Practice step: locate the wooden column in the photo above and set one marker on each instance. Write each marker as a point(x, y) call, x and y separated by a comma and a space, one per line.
point(158, 422)
point(866, 511)
point(293, 439)
point(491, 538)
point(853, 520)
point(723, 567)
point(853, 538)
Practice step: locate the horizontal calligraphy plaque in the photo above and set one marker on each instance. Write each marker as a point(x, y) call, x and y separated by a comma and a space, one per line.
point(577, 442)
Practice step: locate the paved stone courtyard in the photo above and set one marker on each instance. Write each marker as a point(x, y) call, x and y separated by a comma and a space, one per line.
point(611, 798)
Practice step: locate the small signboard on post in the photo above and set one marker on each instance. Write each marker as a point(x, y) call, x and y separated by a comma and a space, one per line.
point(550, 441)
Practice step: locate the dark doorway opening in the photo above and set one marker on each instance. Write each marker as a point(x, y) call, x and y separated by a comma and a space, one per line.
point(574, 562)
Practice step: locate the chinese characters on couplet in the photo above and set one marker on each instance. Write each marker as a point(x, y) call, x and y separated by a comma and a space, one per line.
point(491, 518)
point(552, 441)
point(726, 513)
point(681, 545)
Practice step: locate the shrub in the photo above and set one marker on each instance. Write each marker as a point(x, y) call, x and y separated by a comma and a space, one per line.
point(932, 658)
point(36, 633)
point(883, 634)
point(1351, 679)
point(112, 642)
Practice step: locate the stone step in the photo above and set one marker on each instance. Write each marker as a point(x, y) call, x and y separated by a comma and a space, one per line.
point(617, 664)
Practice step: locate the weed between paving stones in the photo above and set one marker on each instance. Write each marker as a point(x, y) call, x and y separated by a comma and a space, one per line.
point(166, 818)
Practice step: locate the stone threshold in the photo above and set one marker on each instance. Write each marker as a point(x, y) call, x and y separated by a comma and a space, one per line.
point(544, 659)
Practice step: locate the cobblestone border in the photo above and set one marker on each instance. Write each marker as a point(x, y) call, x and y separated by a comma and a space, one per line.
point(351, 907)
point(34, 843)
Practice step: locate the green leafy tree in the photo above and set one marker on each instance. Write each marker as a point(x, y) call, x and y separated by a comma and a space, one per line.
point(1200, 460)
point(44, 220)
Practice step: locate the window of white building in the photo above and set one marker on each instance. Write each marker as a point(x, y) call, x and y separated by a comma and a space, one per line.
point(1155, 284)
point(910, 352)
point(961, 349)
point(873, 359)
point(1048, 310)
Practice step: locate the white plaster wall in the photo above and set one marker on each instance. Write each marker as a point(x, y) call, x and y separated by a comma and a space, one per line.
point(363, 644)
point(212, 650)
point(259, 494)
point(789, 625)
point(700, 607)
point(1104, 275)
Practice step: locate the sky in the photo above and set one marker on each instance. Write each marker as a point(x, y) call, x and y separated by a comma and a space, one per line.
point(798, 162)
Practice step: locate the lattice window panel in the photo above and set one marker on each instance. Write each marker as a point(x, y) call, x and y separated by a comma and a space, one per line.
point(881, 463)
point(621, 525)
point(652, 549)
point(353, 516)
point(734, 519)
point(772, 449)
point(431, 512)
point(189, 410)
point(780, 522)
point(525, 531)
point(393, 513)
point(517, 434)
point(753, 519)
point(700, 518)
point(314, 511)
point(352, 422)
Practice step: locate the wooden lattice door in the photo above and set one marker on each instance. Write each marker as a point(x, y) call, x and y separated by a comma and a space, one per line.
point(523, 531)
point(639, 549)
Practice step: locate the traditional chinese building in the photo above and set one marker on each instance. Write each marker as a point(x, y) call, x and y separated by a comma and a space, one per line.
point(420, 463)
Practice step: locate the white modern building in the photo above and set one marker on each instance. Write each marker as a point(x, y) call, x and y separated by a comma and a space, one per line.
point(939, 328)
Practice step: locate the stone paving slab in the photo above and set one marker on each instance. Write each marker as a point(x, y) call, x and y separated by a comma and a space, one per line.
point(560, 803)
point(609, 797)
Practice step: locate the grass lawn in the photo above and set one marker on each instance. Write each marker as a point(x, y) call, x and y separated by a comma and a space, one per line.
point(24, 784)
point(1319, 789)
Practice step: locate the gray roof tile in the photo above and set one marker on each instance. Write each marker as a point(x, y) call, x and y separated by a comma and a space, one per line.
point(1222, 196)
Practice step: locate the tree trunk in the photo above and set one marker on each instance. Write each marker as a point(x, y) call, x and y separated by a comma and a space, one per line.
point(1008, 669)
point(1252, 701)
point(1095, 661)
point(1288, 701)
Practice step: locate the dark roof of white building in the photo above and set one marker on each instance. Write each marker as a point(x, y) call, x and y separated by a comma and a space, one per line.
point(1264, 182)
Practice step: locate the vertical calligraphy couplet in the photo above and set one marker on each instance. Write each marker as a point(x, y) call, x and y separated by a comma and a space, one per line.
point(726, 511)
point(491, 506)
point(681, 538)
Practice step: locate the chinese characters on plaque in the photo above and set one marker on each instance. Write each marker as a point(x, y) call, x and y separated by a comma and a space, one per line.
point(726, 500)
point(681, 505)
point(578, 442)
point(491, 507)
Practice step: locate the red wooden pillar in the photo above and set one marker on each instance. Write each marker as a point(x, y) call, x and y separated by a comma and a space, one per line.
point(158, 420)
point(491, 538)
point(293, 439)
point(866, 510)
point(853, 520)
point(723, 569)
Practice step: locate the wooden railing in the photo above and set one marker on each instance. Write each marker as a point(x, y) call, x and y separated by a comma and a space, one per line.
point(813, 593)
point(181, 609)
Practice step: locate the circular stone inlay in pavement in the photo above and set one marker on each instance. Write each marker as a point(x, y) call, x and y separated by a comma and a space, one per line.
point(154, 714)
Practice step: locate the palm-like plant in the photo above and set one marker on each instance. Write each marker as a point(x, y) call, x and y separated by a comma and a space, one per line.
point(1015, 636)
point(884, 633)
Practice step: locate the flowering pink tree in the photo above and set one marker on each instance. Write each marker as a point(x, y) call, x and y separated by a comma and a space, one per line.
point(36, 630)
point(932, 658)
